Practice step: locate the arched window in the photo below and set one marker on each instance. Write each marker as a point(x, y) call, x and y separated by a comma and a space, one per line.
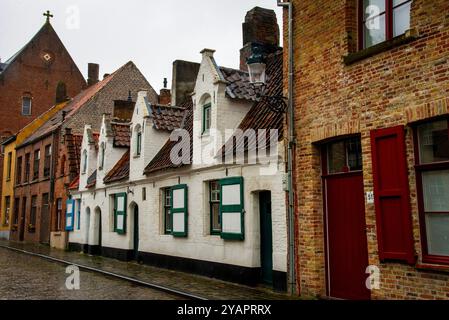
point(102, 153)
point(84, 161)
point(138, 140)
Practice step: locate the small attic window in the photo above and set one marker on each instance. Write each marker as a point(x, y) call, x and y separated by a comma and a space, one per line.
point(138, 140)
point(26, 105)
point(84, 161)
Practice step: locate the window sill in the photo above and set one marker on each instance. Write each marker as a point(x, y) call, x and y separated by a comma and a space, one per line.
point(409, 36)
point(432, 267)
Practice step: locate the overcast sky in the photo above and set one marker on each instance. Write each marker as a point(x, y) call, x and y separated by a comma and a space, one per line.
point(151, 33)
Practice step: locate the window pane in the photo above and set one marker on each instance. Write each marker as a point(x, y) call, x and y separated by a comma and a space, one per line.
point(437, 234)
point(436, 191)
point(374, 31)
point(336, 157)
point(398, 2)
point(433, 142)
point(216, 226)
point(354, 151)
point(373, 8)
point(401, 19)
point(26, 106)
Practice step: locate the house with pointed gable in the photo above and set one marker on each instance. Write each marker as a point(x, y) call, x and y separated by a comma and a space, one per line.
point(193, 191)
point(51, 158)
point(36, 77)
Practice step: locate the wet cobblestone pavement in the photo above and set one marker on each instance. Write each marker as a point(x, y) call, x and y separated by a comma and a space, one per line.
point(202, 286)
point(28, 277)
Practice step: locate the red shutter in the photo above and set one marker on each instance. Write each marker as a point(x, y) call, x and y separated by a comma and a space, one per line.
point(391, 194)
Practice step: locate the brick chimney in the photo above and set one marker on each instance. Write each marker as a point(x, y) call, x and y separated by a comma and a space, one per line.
point(260, 27)
point(165, 95)
point(93, 73)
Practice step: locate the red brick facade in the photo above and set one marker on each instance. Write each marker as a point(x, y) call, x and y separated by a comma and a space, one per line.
point(340, 91)
point(35, 72)
point(63, 132)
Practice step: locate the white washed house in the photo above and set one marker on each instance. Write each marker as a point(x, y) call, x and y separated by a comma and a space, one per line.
point(225, 220)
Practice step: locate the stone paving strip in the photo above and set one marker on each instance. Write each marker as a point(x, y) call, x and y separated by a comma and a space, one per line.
point(198, 287)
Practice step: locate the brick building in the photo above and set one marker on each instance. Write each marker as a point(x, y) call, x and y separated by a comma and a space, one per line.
point(371, 96)
point(30, 78)
point(49, 157)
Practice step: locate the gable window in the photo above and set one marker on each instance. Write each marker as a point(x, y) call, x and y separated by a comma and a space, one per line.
point(27, 167)
point(383, 20)
point(432, 167)
point(7, 210)
point(26, 106)
point(137, 140)
point(206, 118)
point(214, 207)
point(19, 171)
point(84, 161)
point(37, 158)
point(47, 161)
point(167, 210)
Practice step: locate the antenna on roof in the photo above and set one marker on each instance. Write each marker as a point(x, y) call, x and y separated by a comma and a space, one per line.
point(130, 98)
point(165, 83)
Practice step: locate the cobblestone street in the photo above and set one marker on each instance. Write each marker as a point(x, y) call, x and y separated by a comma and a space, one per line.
point(202, 287)
point(27, 277)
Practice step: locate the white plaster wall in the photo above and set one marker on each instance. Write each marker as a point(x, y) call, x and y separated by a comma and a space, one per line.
point(91, 157)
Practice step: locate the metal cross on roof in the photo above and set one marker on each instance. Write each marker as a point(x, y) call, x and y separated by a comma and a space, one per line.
point(48, 15)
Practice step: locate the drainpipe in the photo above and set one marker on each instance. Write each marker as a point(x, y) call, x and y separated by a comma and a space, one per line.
point(54, 146)
point(291, 144)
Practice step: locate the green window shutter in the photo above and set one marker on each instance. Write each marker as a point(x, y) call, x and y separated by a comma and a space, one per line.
point(232, 209)
point(179, 212)
point(69, 215)
point(120, 213)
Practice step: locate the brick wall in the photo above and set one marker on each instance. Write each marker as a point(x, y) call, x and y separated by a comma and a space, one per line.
point(405, 83)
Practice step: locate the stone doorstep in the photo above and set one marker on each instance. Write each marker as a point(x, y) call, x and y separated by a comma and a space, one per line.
point(212, 289)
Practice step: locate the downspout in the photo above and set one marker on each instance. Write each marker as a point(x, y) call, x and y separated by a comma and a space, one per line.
point(291, 144)
point(54, 145)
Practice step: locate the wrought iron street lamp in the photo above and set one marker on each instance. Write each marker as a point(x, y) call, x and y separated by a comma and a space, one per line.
point(257, 69)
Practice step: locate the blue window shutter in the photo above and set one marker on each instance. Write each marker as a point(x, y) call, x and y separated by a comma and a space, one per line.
point(232, 209)
point(179, 210)
point(70, 210)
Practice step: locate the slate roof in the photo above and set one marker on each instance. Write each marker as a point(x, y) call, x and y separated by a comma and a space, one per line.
point(239, 86)
point(166, 117)
point(120, 171)
point(92, 180)
point(162, 160)
point(260, 115)
point(122, 134)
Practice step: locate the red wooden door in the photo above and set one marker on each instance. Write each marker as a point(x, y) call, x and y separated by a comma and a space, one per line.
point(347, 252)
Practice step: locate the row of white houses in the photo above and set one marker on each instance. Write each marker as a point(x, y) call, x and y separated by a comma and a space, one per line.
point(132, 202)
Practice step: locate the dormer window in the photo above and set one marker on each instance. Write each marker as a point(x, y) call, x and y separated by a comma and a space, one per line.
point(206, 118)
point(138, 140)
point(102, 152)
point(84, 162)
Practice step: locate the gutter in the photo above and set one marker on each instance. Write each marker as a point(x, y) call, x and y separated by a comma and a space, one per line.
point(291, 145)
